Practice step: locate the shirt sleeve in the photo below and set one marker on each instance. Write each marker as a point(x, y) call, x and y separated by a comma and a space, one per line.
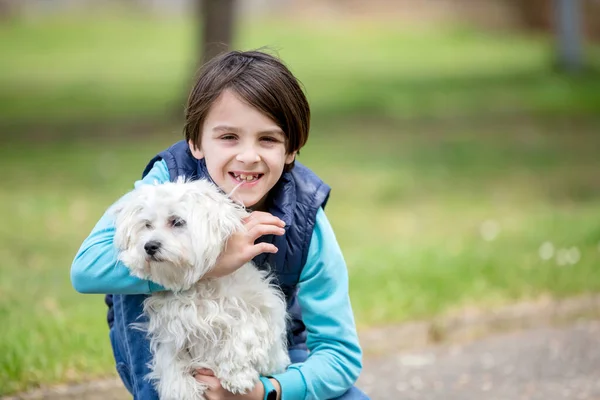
point(96, 269)
point(335, 358)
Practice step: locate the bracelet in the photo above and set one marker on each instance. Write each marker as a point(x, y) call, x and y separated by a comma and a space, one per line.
point(270, 392)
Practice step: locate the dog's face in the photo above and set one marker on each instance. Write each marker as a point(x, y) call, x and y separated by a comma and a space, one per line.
point(173, 233)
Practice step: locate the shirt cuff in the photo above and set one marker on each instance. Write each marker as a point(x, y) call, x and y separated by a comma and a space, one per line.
point(155, 287)
point(292, 384)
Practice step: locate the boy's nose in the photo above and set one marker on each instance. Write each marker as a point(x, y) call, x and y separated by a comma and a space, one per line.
point(248, 156)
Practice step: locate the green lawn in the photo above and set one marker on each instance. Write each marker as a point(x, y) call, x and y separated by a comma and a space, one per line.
point(453, 156)
point(67, 72)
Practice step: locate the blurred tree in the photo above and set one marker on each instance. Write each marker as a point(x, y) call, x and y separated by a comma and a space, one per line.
point(535, 14)
point(7, 9)
point(218, 23)
point(565, 19)
point(569, 34)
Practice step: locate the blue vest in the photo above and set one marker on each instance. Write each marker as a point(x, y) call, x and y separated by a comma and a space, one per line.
point(295, 199)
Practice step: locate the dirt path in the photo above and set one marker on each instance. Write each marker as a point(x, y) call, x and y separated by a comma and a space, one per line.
point(544, 363)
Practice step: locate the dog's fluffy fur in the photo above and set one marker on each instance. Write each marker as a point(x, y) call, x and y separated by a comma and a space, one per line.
point(173, 234)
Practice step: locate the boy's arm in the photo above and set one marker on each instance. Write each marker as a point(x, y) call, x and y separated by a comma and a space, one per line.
point(96, 269)
point(335, 359)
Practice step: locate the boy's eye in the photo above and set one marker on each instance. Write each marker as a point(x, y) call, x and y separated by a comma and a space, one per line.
point(228, 137)
point(269, 139)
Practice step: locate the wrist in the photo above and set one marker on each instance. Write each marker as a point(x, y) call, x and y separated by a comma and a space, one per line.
point(267, 386)
point(258, 393)
point(277, 386)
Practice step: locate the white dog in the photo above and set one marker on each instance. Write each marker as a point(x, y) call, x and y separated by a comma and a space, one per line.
point(173, 234)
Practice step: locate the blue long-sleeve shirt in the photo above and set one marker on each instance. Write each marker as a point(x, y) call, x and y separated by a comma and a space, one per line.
point(335, 358)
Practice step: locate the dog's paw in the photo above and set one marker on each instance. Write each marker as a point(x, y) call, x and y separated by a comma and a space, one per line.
point(240, 382)
point(187, 388)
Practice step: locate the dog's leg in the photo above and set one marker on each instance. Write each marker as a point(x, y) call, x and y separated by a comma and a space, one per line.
point(236, 360)
point(241, 379)
point(275, 336)
point(173, 376)
point(278, 358)
point(258, 349)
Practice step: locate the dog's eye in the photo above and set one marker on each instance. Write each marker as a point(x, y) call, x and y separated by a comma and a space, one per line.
point(177, 222)
point(148, 225)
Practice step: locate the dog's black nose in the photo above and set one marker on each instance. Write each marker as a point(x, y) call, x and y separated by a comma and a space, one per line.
point(152, 247)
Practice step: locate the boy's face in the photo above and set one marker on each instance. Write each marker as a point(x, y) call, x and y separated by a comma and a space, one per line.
point(240, 144)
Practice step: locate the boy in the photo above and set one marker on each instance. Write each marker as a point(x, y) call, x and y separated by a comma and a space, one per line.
point(246, 119)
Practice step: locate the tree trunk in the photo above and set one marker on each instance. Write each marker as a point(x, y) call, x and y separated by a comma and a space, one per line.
point(7, 9)
point(569, 34)
point(218, 22)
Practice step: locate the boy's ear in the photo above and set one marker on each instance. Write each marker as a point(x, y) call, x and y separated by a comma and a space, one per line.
point(196, 152)
point(289, 158)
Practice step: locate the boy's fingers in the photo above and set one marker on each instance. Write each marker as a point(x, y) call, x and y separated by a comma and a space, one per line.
point(205, 371)
point(271, 221)
point(261, 230)
point(262, 248)
point(257, 214)
point(210, 381)
point(262, 218)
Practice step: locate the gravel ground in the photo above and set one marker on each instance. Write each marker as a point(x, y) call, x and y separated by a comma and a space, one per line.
point(545, 364)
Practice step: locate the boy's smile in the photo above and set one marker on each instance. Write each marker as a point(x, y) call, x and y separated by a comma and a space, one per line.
point(245, 177)
point(242, 148)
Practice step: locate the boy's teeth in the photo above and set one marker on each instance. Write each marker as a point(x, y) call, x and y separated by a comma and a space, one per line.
point(247, 178)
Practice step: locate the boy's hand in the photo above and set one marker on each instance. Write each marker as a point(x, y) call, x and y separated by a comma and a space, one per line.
point(240, 247)
point(216, 392)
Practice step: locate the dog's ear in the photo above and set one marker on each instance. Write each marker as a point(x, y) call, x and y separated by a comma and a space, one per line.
point(124, 212)
point(215, 211)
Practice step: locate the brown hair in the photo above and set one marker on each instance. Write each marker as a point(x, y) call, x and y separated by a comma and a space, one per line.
point(259, 79)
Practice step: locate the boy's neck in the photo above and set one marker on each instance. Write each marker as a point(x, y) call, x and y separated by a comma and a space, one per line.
point(262, 205)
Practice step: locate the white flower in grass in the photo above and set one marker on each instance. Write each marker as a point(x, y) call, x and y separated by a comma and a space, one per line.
point(562, 257)
point(546, 251)
point(489, 230)
point(573, 255)
point(570, 256)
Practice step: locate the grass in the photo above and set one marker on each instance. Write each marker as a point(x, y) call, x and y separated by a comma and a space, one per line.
point(69, 73)
point(432, 216)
